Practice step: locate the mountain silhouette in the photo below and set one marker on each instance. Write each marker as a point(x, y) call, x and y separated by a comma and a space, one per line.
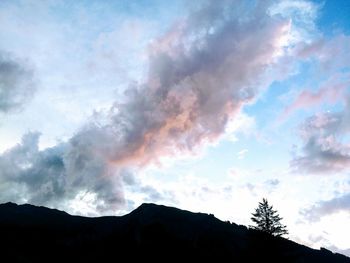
point(151, 232)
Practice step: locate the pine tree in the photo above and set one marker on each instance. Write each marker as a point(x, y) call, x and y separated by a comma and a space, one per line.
point(268, 220)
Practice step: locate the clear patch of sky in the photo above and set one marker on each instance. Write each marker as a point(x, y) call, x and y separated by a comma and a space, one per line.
point(334, 17)
point(88, 20)
point(216, 162)
point(268, 107)
point(84, 20)
point(107, 11)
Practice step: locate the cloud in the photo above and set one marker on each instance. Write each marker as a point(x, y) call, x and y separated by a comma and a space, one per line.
point(332, 92)
point(266, 187)
point(55, 175)
point(322, 241)
point(241, 154)
point(272, 182)
point(324, 150)
point(242, 124)
point(331, 55)
point(16, 83)
point(341, 251)
point(148, 193)
point(202, 71)
point(324, 208)
point(331, 61)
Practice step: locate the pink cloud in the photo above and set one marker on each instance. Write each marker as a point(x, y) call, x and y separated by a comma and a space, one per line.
point(331, 92)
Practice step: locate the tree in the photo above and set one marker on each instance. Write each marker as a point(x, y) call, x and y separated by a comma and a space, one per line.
point(268, 220)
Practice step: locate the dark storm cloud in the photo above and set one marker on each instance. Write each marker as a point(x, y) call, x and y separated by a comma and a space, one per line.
point(16, 83)
point(201, 72)
point(323, 150)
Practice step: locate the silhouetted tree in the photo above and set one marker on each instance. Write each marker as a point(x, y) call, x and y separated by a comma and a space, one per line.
point(268, 220)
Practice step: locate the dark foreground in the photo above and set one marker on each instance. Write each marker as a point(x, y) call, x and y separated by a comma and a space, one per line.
point(151, 232)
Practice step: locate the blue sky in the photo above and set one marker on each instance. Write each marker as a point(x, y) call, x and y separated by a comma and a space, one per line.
point(208, 106)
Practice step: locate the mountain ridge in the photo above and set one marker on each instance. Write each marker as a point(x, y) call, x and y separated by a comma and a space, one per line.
point(149, 232)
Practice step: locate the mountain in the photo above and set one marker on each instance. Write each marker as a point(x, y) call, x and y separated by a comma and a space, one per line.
point(150, 232)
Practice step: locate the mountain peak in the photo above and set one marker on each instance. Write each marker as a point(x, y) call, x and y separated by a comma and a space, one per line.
point(147, 206)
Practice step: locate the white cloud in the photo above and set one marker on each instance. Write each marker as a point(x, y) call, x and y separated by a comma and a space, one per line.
point(241, 154)
point(242, 124)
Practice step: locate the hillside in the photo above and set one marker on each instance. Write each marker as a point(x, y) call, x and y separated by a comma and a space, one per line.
point(150, 232)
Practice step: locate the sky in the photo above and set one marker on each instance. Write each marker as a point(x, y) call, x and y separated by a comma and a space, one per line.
point(208, 106)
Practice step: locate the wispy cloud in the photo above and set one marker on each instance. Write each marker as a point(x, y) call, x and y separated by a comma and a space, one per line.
point(332, 91)
point(241, 154)
point(328, 207)
point(330, 60)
